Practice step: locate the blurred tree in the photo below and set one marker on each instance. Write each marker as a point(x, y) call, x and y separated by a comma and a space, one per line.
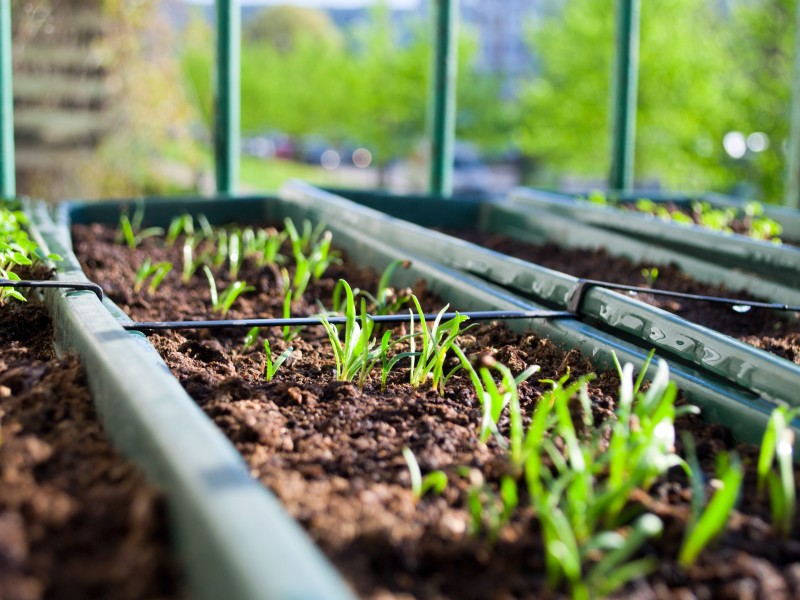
point(763, 33)
point(685, 107)
point(282, 25)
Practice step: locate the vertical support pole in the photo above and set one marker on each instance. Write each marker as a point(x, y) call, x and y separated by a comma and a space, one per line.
point(443, 101)
point(792, 191)
point(625, 87)
point(227, 96)
point(8, 182)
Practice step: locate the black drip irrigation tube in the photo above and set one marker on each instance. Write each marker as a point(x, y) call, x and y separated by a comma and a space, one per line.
point(573, 308)
point(68, 285)
point(741, 306)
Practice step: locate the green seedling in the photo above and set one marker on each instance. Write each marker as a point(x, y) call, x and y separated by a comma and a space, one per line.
point(183, 224)
point(222, 302)
point(435, 342)
point(235, 255)
point(386, 300)
point(130, 229)
point(597, 197)
point(190, 263)
point(356, 355)
point(494, 399)
point(157, 271)
point(387, 364)
point(267, 245)
point(221, 255)
point(206, 229)
point(271, 367)
point(707, 526)
point(250, 338)
point(312, 254)
point(777, 446)
point(650, 275)
point(435, 481)
point(489, 510)
point(289, 332)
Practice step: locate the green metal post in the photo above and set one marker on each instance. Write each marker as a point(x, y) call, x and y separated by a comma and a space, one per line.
point(792, 192)
point(443, 101)
point(8, 184)
point(228, 94)
point(626, 75)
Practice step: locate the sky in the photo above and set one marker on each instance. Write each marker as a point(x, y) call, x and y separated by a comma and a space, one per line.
point(322, 3)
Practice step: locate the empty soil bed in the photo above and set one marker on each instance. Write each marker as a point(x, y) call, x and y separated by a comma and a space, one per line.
point(766, 329)
point(332, 453)
point(76, 520)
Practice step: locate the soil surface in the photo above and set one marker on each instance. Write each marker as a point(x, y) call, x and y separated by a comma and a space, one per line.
point(766, 329)
point(332, 452)
point(76, 520)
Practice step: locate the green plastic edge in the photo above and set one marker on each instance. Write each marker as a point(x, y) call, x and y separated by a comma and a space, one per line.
point(781, 263)
point(233, 538)
point(772, 378)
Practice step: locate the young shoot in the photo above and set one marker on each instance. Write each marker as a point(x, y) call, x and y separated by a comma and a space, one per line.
point(489, 510)
point(386, 300)
point(777, 450)
point(435, 481)
point(289, 332)
point(650, 275)
point(183, 224)
point(707, 526)
point(271, 367)
point(130, 229)
point(355, 356)
point(190, 263)
point(387, 364)
point(158, 271)
point(435, 341)
point(222, 302)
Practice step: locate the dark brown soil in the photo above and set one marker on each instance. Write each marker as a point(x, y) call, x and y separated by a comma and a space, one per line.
point(766, 329)
point(76, 520)
point(332, 452)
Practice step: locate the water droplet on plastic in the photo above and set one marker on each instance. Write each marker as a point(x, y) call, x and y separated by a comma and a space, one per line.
point(741, 308)
point(632, 293)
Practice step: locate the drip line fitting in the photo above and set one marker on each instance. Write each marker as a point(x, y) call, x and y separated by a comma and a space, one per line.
point(583, 285)
point(485, 315)
point(69, 285)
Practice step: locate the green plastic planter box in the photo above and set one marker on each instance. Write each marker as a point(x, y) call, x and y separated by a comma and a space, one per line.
point(234, 538)
point(780, 263)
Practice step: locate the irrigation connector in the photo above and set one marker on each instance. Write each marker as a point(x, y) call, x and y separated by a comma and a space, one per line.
point(741, 306)
point(486, 315)
point(68, 285)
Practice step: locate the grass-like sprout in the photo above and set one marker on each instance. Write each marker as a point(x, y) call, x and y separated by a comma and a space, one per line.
point(387, 364)
point(289, 332)
point(435, 341)
point(312, 254)
point(184, 224)
point(271, 367)
point(355, 356)
point(435, 481)
point(130, 229)
point(490, 510)
point(221, 244)
point(250, 338)
point(235, 254)
point(266, 246)
point(386, 300)
point(707, 525)
point(157, 271)
point(580, 487)
point(494, 399)
point(777, 446)
point(190, 263)
point(222, 302)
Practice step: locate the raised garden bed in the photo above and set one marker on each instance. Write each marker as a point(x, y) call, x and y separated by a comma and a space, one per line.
point(76, 519)
point(780, 263)
point(765, 375)
point(332, 452)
